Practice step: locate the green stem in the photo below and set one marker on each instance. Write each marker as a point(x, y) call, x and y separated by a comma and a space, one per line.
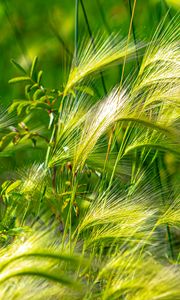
point(120, 153)
point(134, 35)
point(76, 30)
point(49, 146)
point(68, 224)
point(135, 161)
point(164, 203)
point(93, 42)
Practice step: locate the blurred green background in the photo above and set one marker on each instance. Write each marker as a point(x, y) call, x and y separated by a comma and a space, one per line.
point(46, 29)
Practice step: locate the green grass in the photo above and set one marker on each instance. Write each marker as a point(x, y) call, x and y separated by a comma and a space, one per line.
point(90, 209)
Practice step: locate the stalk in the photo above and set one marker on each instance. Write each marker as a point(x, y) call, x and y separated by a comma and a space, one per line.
point(128, 38)
point(76, 30)
point(134, 36)
point(49, 146)
point(68, 223)
point(122, 75)
point(138, 67)
point(123, 145)
point(164, 203)
point(93, 42)
point(74, 183)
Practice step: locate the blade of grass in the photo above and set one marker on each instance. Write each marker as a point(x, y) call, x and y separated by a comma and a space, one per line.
point(164, 203)
point(134, 36)
point(92, 41)
point(128, 39)
point(76, 30)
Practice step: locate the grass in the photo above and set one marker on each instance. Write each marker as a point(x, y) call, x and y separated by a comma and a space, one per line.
point(96, 215)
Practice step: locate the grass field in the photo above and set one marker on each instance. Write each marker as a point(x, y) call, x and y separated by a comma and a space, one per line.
point(89, 150)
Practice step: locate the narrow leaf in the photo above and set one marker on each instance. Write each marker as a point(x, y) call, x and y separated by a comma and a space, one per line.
point(18, 67)
point(39, 76)
point(33, 67)
point(13, 186)
point(20, 79)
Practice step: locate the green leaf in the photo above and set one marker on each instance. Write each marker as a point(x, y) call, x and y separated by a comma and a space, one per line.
point(45, 98)
point(39, 76)
point(6, 140)
point(38, 94)
point(27, 91)
point(16, 104)
point(33, 68)
point(20, 107)
point(13, 186)
point(20, 79)
point(18, 66)
point(34, 86)
point(4, 186)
